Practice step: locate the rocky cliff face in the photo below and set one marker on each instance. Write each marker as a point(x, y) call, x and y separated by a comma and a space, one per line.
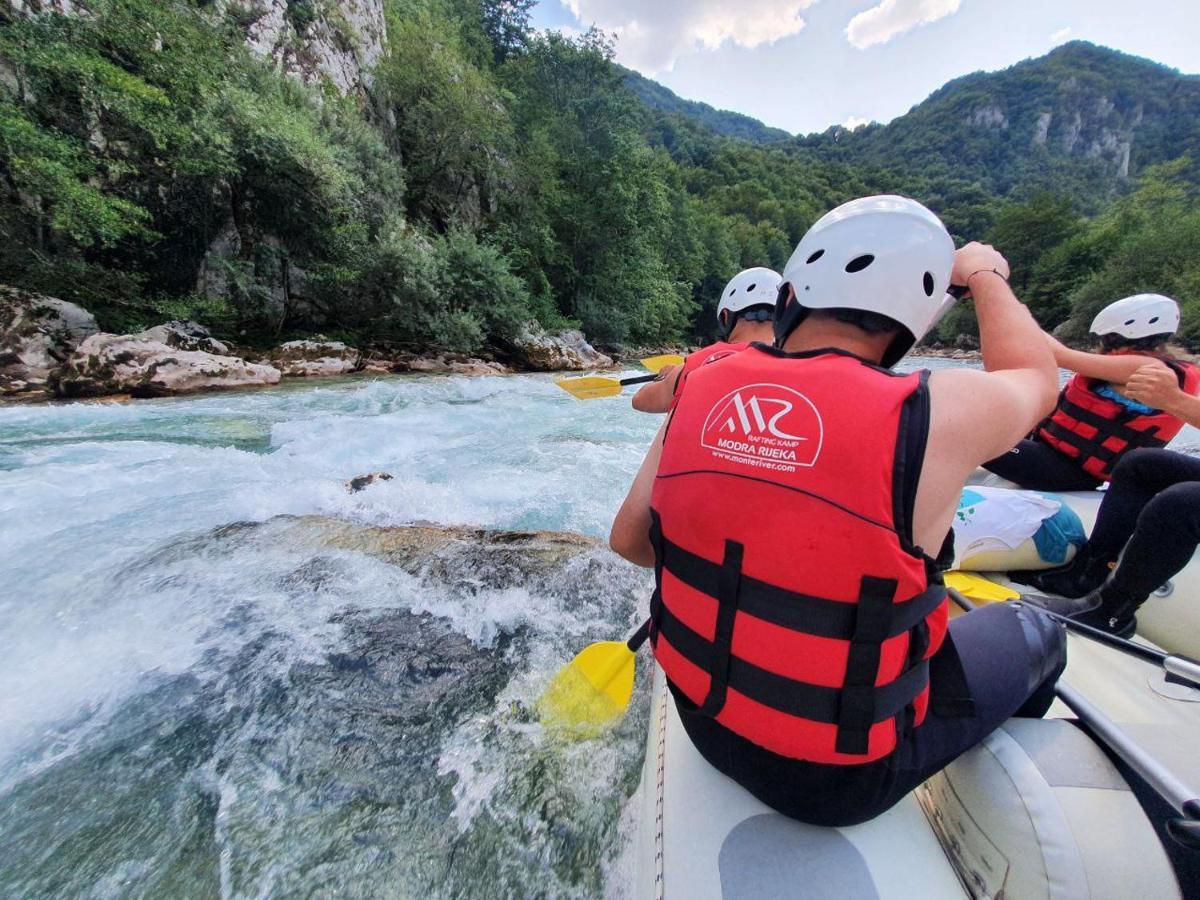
point(334, 41)
point(338, 41)
point(1084, 117)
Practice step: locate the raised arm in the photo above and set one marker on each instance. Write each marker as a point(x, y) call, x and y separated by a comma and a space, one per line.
point(656, 396)
point(1157, 386)
point(979, 415)
point(1115, 368)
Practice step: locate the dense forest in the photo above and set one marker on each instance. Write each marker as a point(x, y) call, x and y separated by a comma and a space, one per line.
point(154, 166)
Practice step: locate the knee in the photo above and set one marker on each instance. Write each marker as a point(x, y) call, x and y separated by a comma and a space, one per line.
point(1046, 641)
point(1136, 464)
point(1175, 509)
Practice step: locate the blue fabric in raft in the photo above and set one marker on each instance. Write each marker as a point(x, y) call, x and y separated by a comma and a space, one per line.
point(1061, 531)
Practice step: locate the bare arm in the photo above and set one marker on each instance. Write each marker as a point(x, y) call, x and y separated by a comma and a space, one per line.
point(630, 535)
point(1115, 368)
point(1022, 377)
point(977, 416)
point(1157, 386)
point(656, 396)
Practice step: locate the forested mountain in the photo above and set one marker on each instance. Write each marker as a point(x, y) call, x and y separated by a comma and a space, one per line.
point(437, 173)
point(722, 121)
point(1082, 119)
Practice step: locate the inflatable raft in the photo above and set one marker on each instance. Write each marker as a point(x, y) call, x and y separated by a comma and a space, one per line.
point(1036, 811)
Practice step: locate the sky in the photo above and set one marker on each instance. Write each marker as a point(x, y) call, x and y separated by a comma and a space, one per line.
point(804, 65)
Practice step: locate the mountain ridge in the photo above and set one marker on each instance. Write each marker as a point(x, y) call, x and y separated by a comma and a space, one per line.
point(1087, 113)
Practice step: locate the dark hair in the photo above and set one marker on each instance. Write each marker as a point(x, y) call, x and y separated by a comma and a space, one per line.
point(1118, 342)
point(870, 322)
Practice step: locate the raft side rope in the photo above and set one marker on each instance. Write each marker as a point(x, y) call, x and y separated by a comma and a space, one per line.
point(661, 777)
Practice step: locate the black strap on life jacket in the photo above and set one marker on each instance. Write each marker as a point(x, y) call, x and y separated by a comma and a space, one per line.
point(872, 624)
point(787, 609)
point(729, 582)
point(856, 706)
point(1105, 429)
point(797, 698)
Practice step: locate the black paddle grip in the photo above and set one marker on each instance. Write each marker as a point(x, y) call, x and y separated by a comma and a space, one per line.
point(639, 637)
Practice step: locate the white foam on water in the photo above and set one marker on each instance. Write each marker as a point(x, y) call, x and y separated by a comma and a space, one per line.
point(89, 490)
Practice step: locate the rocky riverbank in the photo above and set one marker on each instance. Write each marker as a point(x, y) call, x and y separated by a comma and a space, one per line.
point(50, 348)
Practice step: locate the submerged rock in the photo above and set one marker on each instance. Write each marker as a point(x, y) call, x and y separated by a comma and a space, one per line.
point(362, 482)
point(37, 333)
point(316, 357)
point(130, 364)
point(543, 351)
point(361, 715)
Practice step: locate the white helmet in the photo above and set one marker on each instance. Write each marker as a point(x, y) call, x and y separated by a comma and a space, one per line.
point(887, 255)
point(1139, 316)
point(751, 287)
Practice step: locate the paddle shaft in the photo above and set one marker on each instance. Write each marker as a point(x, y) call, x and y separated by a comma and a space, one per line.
point(1182, 667)
point(639, 379)
point(1160, 779)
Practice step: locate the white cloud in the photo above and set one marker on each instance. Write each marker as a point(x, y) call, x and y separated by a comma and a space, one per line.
point(651, 36)
point(1061, 35)
point(854, 122)
point(881, 23)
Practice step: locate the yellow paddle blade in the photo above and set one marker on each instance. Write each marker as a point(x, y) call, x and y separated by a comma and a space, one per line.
point(979, 588)
point(657, 363)
point(590, 387)
point(590, 691)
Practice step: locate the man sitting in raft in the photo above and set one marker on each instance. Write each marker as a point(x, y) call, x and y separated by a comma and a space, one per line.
point(789, 507)
point(744, 314)
point(1149, 519)
point(1096, 421)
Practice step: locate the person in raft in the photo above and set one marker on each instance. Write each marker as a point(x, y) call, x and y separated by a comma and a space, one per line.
point(744, 315)
point(1147, 528)
point(789, 505)
point(1096, 422)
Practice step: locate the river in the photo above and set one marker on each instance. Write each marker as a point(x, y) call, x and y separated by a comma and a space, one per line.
point(197, 700)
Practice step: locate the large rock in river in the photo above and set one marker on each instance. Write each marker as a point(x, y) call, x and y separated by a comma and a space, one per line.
point(37, 334)
point(186, 336)
point(130, 364)
point(543, 351)
point(316, 357)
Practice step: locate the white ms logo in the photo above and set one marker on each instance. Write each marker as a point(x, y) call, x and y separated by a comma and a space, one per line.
point(749, 419)
point(764, 425)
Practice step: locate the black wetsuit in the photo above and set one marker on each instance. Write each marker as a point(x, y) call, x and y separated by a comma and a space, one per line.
point(1152, 511)
point(1039, 467)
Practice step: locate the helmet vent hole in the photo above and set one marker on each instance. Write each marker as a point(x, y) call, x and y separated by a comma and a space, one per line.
point(753, 286)
point(1155, 319)
point(928, 284)
point(859, 263)
point(812, 259)
point(732, 291)
point(1130, 321)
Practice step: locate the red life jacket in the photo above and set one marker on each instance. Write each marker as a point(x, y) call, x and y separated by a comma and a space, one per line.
point(790, 602)
point(1096, 431)
point(711, 353)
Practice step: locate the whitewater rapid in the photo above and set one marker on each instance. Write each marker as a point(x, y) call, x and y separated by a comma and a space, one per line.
point(118, 590)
